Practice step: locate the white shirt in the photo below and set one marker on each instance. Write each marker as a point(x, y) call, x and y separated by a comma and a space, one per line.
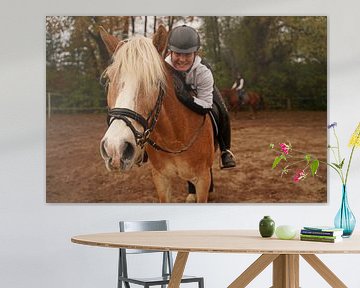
point(200, 79)
point(241, 85)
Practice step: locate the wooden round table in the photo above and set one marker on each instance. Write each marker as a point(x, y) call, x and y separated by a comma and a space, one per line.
point(284, 254)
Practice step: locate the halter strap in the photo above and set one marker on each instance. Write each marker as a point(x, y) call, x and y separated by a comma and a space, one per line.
point(124, 114)
point(142, 138)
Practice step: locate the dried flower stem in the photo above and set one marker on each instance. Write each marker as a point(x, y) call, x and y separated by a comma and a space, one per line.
point(351, 155)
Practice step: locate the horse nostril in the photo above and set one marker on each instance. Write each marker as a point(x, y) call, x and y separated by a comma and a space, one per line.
point(128, 151)
point(103, 149)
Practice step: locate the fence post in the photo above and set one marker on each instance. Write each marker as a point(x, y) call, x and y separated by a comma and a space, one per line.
point(49, 105)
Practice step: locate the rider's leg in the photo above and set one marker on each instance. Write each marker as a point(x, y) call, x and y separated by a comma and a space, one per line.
point(241, 96)
point(224, 136)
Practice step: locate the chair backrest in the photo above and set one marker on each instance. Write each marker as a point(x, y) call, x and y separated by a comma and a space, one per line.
point(133, 226)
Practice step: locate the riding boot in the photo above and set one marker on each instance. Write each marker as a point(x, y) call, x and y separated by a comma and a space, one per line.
point(221, 116)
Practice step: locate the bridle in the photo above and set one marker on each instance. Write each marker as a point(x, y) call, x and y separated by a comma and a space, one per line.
point(141, 138)
point(148, 124)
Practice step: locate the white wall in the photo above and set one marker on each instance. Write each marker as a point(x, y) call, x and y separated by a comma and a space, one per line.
point(35, 247)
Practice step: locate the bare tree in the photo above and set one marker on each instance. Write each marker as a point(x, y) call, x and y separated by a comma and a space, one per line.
point(170, 22)
point(132, 25)
point(155, 24)
point(145, 26)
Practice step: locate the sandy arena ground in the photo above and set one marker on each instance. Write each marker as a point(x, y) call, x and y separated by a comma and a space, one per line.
point(76, 173)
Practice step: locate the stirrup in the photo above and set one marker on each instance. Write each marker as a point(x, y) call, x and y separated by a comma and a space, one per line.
point(228, 151)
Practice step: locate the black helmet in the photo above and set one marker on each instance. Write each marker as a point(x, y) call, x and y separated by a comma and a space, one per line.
point(184, 39)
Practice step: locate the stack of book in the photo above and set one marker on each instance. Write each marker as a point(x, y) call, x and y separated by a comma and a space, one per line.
point(321, 234)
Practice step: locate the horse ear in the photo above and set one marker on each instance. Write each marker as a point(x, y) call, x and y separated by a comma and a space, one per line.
point(111, 42)
point(160, 39)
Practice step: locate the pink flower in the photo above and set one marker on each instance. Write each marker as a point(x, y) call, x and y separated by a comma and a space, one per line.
point(299, 175)
point(284, 148)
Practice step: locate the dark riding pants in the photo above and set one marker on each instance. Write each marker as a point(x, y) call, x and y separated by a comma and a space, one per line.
point(220, 114)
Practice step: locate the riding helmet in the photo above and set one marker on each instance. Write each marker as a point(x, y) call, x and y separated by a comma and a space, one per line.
point(184, 39)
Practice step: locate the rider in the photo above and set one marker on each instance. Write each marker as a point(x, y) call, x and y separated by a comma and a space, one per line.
point(239, 87)
point(184, 43)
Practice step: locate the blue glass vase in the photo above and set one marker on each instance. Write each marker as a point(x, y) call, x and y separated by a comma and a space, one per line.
point(345, 218)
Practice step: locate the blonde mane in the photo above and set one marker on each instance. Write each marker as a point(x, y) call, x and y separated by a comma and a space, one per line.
point(139, 59)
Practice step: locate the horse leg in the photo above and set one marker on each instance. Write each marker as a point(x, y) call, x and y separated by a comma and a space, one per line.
point(211, 188)
point(252, 112)
point(203, 186)
point(162, 185)
point(191, 198)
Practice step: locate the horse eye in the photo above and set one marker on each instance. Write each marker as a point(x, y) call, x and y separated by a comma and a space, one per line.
point(106, 83)
point(104, 80)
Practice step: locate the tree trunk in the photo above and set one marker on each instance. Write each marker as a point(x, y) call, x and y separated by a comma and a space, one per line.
point(145, 26)
point(133, 25)
point(125, 27)
point(170, 22)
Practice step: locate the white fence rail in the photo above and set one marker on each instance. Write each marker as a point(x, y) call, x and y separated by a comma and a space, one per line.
point(54, 103)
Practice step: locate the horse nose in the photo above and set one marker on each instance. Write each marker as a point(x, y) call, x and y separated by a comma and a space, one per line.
point(103, 151)
point(129, 151)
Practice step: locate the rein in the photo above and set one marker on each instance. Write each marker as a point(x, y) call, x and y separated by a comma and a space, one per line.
point(144, 138)
point(183, 149)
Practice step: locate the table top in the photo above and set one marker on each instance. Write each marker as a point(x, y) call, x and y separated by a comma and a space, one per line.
point(216, 241)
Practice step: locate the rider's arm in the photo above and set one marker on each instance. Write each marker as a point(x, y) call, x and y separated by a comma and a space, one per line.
point(204, 87)
point(189, 102)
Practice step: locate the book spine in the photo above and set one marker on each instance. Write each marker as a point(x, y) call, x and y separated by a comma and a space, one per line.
point(329, 240)
point(319, 236)
point(320, 233)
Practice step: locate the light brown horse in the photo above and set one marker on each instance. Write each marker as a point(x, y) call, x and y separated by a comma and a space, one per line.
point(251, 99)
point(145, 115)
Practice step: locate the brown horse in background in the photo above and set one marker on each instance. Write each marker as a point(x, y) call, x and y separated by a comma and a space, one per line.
point(145, 115)
point(251, 99)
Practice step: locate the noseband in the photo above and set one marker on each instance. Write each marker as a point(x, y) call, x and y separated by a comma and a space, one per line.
point(124, 114)
point(143, 138)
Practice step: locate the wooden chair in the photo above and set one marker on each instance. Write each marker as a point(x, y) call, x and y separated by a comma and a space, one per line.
point(167, 261)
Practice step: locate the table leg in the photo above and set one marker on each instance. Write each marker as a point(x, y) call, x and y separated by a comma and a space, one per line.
point(253, 270)
point(324, 271)
point(178, 270)
point(286, 271)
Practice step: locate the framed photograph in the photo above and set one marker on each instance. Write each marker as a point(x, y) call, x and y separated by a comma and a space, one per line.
point(186, 109)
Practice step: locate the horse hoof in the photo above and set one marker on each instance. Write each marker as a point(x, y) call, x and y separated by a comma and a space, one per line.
point(191, 198)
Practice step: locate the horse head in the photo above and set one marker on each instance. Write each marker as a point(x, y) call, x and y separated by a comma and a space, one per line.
point(136, 80)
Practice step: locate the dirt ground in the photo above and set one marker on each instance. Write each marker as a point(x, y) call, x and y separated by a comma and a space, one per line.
point(75, 171)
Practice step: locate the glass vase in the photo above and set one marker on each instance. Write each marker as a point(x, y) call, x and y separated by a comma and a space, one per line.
point(345, 219)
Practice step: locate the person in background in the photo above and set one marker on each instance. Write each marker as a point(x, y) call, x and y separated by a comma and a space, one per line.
point(239, 86)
